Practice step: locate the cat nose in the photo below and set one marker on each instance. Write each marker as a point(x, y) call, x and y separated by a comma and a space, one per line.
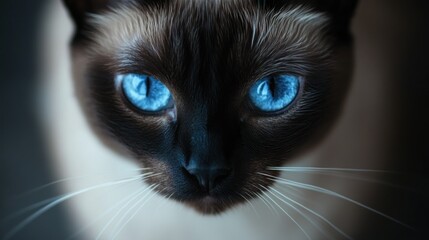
point(209, 178)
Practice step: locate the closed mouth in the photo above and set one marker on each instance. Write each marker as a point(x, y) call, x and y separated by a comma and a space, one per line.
point(211, 205)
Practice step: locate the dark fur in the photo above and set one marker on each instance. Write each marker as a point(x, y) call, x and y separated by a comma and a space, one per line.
point(208, 63)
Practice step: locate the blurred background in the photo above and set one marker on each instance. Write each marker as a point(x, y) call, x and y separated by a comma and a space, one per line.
point(398, 29)
point(23, 152)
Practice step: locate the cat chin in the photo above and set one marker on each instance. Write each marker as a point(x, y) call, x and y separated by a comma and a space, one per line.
point(209, 205)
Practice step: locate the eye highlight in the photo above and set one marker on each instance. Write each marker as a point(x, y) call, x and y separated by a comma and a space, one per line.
point(271, 94)
point(145, 92)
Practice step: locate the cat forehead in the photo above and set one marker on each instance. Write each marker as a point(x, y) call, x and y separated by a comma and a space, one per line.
point(124, 29)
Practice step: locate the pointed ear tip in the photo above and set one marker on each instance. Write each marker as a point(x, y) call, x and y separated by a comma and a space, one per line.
point(79, 9)
point(72, 4)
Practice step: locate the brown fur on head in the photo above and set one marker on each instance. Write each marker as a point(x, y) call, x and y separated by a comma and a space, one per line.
point(208, 54)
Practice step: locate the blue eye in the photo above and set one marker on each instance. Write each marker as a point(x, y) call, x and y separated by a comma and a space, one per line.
point(271, 94)
point(145, 92)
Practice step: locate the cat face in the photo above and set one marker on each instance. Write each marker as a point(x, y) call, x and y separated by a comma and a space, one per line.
point(210, 94)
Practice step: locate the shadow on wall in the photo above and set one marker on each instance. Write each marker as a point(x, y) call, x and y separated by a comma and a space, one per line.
point(402, 31)
point(23, 155)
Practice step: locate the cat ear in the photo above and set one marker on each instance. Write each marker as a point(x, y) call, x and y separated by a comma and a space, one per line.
point(79, 10)
point(340, 11)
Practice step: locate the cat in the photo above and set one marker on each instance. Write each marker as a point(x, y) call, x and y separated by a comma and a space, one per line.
point(211, 143)
point(212, 148)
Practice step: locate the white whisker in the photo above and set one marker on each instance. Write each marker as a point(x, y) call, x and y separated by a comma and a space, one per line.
point(140, 192)
point(311, 211)
point(297, 224)
point(164, 200)
point(332, 193)
point(310, 169)
point(348, 173)
point(250, 196)
point(269, 206)
point(70, 179)
point(274, 209)
point(250, 203)
point(41, 211)
point(303, 214)
point(352, 176)
point(132, 207)
point(29, 208)
point(136, 211)
point(118, 204)
point(43, 202)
